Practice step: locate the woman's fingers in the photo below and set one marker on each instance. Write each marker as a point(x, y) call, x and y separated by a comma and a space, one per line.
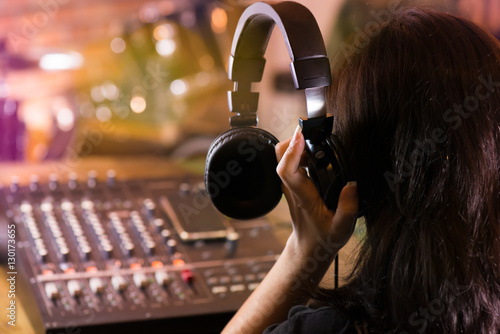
point(292, 174)
point(290, 159)
point(306, 206)
point(281, 148)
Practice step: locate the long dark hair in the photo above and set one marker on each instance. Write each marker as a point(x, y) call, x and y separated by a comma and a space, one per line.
point(417, 106)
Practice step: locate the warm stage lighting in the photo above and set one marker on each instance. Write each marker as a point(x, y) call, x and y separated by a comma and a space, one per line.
point(61, 61)
point(138, 104)
point(118, 45)
point(219, 20)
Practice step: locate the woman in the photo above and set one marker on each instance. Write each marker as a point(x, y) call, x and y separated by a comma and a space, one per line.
point(418, 110)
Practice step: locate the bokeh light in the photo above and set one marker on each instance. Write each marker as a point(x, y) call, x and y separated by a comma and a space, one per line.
point(138, 104)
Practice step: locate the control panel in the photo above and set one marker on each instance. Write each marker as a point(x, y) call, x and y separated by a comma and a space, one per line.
point(148, 255)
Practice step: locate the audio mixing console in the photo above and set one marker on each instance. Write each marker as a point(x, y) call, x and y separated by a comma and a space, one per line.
point(133, 256)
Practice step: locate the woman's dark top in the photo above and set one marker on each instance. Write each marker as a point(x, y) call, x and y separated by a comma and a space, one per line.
point(305, 320)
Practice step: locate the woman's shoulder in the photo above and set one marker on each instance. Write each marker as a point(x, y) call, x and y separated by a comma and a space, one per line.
point(303, 319)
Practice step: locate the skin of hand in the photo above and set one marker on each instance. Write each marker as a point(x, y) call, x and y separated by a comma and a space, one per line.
point(317, 236)
point(311, 218)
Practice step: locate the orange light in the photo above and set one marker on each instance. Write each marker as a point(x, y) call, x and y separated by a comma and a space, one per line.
point(69, 271)
point(219, 20)
point(135, 266)
point(179, 262)
point(47, 272)
point(163, 31)
point(156, 264)
point(91, 269)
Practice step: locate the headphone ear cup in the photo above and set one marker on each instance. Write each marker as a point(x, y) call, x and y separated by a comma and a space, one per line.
point(240, 173)
point(331, 176)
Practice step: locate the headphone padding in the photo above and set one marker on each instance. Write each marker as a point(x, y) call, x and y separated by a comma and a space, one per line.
point(331, 177)
point(240, 173)
point(340, 171)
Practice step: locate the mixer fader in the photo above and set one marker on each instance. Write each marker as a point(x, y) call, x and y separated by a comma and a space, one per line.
point(99, 255)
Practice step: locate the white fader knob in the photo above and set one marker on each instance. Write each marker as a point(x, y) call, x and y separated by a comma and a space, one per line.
point(51, 290)
point(162, 278)
point(96, 285)
point(75, 288)
point(140, 280)
point(119, 283)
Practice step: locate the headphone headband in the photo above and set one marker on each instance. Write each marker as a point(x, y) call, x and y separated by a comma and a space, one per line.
point(240, 172)
point(310, 67)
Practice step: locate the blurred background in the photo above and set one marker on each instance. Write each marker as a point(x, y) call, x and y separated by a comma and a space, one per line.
point(148, 77)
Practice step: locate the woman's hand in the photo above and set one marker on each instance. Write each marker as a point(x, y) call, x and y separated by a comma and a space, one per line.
point(313, 223)
point(318, 234)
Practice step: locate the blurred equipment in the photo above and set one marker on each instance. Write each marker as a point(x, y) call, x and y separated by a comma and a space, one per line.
point(12, 131)
point(144, 76)
point(131, 256)
point(163, 81)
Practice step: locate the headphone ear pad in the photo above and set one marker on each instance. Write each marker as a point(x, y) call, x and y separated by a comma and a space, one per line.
point(341, 171)
point(240, 173)
point(331, 177)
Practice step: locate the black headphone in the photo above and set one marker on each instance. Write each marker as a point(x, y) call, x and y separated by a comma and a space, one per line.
point(240, 169)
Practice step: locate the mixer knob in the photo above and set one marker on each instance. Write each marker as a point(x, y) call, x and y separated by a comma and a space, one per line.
point(75, 288)
point(92, 179)
point(34, 182)
point(42, 251)
point(172, 246)
point(201, 187)
point(150, 246)
point(119, 283)
point(53, 181)
point(232, 242)
point(66, 205)
point(140, 280)
point(96, 285)
point(162, 278)
point(159, 223)
point(26, 208)
point(64, 252)
point(184, 188)
point(86, 250)
point(187, 276)
point(51, 290)
point(166, 234)
point(87, 205)
point(128, 247)
point(106, 247)
point(46, 207)
point(72, 180)
point(149, 206)
point(14, 184)
point(110, 178)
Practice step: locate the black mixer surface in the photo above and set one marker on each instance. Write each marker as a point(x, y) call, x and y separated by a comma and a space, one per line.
point(142, 255)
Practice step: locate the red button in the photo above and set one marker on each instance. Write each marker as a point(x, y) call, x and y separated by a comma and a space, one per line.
point(187, 276)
